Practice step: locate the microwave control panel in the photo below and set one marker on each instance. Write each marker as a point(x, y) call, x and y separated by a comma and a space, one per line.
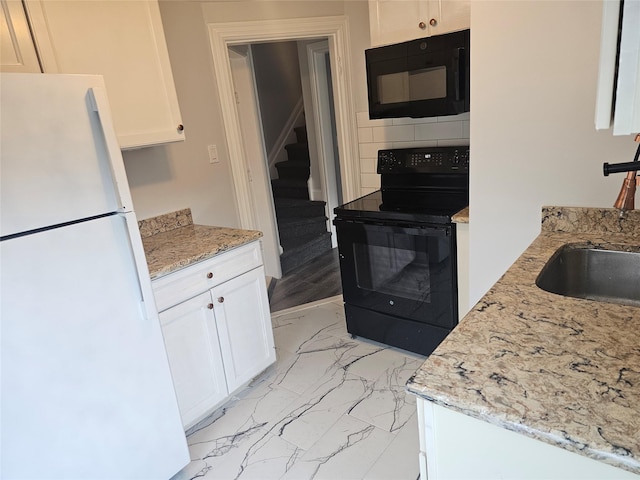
point(424, 160)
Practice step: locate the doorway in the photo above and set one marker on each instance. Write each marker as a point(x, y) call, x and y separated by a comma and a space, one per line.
point(253, 213)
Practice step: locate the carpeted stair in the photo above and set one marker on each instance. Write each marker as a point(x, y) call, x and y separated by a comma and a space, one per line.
point(301, 222)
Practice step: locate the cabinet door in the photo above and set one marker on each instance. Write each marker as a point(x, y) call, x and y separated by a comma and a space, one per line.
point(124, 42)
point(244, 326)
point(17, 50)
point(191, 340)
point(395, 21)
point(448, 16)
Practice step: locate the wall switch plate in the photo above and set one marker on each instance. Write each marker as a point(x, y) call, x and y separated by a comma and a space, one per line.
point(213, 154)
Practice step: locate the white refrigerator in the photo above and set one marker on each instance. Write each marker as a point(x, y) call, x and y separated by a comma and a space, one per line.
point(86, 390)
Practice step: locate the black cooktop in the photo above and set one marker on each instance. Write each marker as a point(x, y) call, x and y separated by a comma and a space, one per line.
point(433, 207)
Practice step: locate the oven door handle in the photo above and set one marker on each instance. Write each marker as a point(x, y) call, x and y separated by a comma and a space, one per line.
point(403, 228)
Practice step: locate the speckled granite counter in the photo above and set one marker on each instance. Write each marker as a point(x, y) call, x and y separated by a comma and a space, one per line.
point(172, 241)
point(462, 216)
point(562, 370)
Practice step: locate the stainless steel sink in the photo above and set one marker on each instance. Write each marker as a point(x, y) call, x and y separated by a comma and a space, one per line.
point(588, 271)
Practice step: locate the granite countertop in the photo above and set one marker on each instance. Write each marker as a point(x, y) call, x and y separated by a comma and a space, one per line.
point(462, 216)
point(172, 241)
point(562, 370)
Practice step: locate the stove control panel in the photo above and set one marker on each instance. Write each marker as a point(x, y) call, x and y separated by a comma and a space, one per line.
point(424, 160)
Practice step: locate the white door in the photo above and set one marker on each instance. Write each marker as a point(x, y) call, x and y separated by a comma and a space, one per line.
point(253, 144)
point(86, 386)
point(244, 327)
point(191, 338)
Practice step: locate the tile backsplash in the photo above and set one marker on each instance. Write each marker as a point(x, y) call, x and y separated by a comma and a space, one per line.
point(374, 135)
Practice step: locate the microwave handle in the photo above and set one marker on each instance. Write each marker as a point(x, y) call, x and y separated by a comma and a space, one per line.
point(460, 74)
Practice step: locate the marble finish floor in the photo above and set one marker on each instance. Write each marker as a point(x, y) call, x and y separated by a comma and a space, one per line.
point(331, 407)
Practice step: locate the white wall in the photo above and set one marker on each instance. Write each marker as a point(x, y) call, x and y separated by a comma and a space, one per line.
point(533, 142)
point(179, 175)
point(175, 176)
point(277, 74)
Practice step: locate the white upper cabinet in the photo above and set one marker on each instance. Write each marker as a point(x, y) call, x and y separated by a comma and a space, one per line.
point(619, 73)
point(395, 21)
point(17, 51)
point(123, 41)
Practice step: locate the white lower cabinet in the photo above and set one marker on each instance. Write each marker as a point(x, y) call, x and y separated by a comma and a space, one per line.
point(246, 339)
point(191, 339)
point(221, 338)
point(455, 446)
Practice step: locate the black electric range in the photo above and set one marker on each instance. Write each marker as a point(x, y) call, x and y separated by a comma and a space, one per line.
point(397, 248)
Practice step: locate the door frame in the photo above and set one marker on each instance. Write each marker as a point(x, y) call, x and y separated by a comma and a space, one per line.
point(323, 132)
point(335, 29)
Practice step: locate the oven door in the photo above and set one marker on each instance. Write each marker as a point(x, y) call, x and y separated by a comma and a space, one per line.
point(407, 271)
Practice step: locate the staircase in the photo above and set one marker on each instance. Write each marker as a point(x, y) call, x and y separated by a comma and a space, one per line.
point(301, 222)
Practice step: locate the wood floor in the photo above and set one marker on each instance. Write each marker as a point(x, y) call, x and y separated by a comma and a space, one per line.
point(318, 279)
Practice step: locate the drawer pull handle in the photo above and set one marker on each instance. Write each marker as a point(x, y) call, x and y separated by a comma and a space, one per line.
point(210, 306)
point(220, 299)
point(209, 275)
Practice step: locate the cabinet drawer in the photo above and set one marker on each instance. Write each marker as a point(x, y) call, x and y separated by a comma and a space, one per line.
point(202, 276)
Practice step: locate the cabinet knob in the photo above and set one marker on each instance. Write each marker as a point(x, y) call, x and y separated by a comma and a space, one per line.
point(209, 275)
point(210, 306)
point(422, 25)
point(220, 299)
point(433, 22)
point(181, 128)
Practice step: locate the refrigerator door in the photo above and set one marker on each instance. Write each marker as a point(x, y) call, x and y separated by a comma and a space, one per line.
point(60, 159)
point(86, 385)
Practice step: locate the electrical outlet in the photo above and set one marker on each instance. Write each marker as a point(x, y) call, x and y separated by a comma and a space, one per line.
point(213, 154)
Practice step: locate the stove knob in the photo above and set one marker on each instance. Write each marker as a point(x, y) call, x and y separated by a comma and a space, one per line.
point(383, 161)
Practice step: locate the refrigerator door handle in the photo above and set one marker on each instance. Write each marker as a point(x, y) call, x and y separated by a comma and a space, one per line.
point(148, 303)
point(99, 103)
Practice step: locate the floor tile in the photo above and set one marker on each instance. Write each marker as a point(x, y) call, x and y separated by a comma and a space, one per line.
point(293, 330)
point(315, 359)
point(330, 407)
point(255, 408)
point(347, 451)
point(387, 408)
point(256, 455)
point(385, 362)
point(400, 459)
point(316, 411)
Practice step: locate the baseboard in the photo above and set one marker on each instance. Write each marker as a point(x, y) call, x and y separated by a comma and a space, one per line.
point(306, 306)
point(271, 285)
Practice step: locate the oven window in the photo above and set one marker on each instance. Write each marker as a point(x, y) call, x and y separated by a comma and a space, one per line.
point(399, 265)
point(424, 84)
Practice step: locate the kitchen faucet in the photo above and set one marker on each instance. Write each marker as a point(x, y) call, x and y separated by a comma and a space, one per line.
point(625, 200)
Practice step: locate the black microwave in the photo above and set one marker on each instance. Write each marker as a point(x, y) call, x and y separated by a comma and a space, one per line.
point(428, 77)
